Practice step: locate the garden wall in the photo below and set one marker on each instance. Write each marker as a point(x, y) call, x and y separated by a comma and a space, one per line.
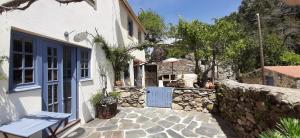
point(191, 99)
point(131, 97)
point(253, 108)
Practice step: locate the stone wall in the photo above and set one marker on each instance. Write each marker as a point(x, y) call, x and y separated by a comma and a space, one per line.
point(131, 97)
point(253, 108)
point(201, 100)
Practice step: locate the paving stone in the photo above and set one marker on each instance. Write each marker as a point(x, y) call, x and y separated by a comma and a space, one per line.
point(159, 135)
point(155, 119)
point(188, 133)
point(107, 127)
point(155, 129)
point(206, 131)
point(178, 127)
point(188, 119)
point(132, 115)
point(125, 121)
point(128, 125)
point(80, 133)
point(94, 135)
point(112, 134)
point(174, 119)
point(173, 134)
point(120, 115)
point(165, 124)
point(147, 125)
point(142, 119)
point(95, 123)
point(192, 125)
point(135, 134)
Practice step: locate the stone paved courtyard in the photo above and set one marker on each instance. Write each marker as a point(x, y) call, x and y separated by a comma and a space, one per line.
point(155, 123)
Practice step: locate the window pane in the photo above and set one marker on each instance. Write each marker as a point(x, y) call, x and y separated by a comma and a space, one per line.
point(28, 60)
point(28, 47)
point(49, 51)
point(49, 94)
point(28, 76)
point(55, 108)
point(50, 108)
point(54, 93)
point(55, 75)
point(82, 64)
point(82, 73)
point(49, 62)
point(49, 75)
point(86, 73)
point(17, 59)
point(17, 75)
point(54, 62)
point(17, 45)
point(54, 52)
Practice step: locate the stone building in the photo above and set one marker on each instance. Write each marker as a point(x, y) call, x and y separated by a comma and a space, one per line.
point(280, 76)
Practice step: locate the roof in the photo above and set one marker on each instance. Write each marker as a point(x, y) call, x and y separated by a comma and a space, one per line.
point(291, 71)
point(127, 5)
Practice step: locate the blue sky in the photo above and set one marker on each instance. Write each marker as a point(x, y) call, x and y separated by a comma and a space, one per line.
point(203, 10)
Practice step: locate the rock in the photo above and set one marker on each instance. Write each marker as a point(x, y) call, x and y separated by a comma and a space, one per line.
point(173, 134)
point(177, 99)
point(250, 117)
point(176, 106)
point(193, 103)
point(260, 106)
point(135, 134)
point(210, 107)
point(198, 100)
point(155, 129)
point(125, 94)
point(125, 105)
point(188, 108)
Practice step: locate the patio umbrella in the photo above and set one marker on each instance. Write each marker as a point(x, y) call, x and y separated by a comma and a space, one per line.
point(171, 60)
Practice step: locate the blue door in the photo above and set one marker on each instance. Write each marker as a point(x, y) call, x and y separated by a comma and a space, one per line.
point(159, 97)
point(59, 79)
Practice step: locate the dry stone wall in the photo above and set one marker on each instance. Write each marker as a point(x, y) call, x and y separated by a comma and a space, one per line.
point(131, 97)
point(201, 100)
point(253, 108)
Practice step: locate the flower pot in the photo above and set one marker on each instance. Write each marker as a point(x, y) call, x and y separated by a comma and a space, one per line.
point(106, 111)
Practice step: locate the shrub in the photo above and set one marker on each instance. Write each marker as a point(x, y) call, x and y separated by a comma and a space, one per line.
point(286, 128)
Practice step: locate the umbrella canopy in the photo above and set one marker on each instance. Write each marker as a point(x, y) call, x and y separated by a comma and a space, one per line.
point(171, 60)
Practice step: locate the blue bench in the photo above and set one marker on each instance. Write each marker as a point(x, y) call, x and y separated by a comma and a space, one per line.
point(29, 125)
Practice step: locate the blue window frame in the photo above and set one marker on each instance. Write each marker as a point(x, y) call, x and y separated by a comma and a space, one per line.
point(85, 69)
point(23, 59)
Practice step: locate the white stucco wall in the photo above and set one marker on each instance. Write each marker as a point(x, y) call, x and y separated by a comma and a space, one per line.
point(50, 19)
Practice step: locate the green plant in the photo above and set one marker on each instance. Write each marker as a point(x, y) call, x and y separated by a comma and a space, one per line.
point(115, 94)
point(97, 99)
point(2, 59)
point(286, 128)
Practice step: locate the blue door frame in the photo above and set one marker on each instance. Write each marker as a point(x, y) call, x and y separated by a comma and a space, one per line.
point(159, 97)
point(54, 98)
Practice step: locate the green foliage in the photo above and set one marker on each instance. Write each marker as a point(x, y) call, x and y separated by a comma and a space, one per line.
point(286, 128)
point(2, 59)
point(115, 94)
point(290, 58)
point(96, 99)
point(154, 25)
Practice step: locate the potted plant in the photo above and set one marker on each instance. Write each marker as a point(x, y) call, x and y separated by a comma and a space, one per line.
point(105, 104)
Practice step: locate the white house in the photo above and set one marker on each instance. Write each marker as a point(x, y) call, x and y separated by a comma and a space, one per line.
point(50, 70)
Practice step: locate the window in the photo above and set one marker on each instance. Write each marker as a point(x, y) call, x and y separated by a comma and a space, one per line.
point(22, 62)
point(130, 27)
point(140, 37)
point(85, 63)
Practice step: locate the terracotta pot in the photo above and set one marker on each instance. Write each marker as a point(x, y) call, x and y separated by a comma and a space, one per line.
point(106, 111)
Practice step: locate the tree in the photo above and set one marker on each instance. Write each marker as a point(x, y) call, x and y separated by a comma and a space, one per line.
point(193, 36)
point(154, 25)
point(155, 29)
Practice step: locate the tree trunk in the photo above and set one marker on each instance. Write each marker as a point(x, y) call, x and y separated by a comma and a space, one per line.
point(213, 65)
